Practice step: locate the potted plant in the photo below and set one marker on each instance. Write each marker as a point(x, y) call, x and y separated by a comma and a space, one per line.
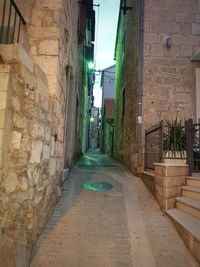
point(174, 141)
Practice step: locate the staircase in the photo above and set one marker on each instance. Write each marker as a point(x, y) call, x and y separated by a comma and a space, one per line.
point(186, 215)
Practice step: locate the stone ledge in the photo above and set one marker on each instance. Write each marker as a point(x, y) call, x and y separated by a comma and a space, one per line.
point(168, 169)
point(168, 180)
point(12, 54)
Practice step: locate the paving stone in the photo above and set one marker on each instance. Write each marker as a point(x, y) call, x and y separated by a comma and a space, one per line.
point(122, 227)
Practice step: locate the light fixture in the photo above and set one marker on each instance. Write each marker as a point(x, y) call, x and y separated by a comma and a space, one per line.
point(90, 65)
point(92, 119)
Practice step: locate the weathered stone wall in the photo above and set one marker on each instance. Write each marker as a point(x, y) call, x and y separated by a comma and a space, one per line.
point(42, 115)
point(30, 180)
point(4, 96)
point(168, 181)
point(108, 129)
point(169, 74)
point(125, 144)
point(54, 46)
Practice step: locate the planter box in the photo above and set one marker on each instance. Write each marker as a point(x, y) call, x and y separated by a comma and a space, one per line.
point(180, 157)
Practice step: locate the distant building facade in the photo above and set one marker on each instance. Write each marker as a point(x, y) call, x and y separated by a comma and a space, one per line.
point(108, 126)
point(156, 78)
point(93, 128)
point(108, 77)
point(108, 83)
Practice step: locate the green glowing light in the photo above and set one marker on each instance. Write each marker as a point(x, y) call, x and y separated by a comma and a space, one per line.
point(97, 186)
point(91, 65)
point(91, 119)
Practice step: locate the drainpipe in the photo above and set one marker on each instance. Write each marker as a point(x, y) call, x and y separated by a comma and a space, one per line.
point(140, 84)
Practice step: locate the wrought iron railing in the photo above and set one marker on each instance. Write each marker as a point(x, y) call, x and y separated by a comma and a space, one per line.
point(164, 142)
point(11, 22)
point(193, 146)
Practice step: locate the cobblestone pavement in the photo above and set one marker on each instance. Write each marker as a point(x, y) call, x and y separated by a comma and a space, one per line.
point(122, 227)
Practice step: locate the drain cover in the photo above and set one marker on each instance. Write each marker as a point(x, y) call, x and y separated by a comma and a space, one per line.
point(97, 186)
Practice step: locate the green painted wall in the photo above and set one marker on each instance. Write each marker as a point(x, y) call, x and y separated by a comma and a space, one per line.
point(127, 47)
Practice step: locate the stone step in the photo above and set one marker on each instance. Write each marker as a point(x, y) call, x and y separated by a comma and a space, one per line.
point(191, 192)
point(188, 205)
point(193, 181)
point(148, 178)
point(188, 227)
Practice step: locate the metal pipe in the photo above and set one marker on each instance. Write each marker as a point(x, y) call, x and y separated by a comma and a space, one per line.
point(19, 30)
point(18, 12)
point(14, 25)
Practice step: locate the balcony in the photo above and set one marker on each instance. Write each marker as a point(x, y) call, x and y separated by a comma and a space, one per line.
point(11, 21)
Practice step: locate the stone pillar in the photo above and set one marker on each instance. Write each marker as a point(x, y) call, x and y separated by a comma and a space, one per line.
point(4, 87)
point(168, 181)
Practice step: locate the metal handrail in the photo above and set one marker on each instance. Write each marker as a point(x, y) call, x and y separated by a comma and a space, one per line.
point(11, 20)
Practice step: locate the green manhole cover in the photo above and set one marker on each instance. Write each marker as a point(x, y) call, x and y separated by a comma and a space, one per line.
point(97, 186)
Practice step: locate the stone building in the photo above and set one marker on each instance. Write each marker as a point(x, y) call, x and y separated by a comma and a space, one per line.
point(108, 126)
point(156, 76)
point(93, 128)
point(108, 83)
point(43, 93)
point(107, 121)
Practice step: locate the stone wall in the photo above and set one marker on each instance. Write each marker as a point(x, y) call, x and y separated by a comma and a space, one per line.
point(126, 54)
point(40, 121)
point(169, 75)
point(168, 181)
point(54, 47)
point(30, 177)
point(4, 96)
point(108, 128)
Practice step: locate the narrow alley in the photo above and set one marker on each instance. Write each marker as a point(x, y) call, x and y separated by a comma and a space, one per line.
point(117, 228)
point(99, 133)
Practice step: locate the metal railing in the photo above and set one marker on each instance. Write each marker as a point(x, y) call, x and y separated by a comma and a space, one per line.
point(11, 22)
point(193, 146)
point(163, 142)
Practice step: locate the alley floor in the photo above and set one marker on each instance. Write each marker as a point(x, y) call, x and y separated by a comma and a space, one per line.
point(123, 227)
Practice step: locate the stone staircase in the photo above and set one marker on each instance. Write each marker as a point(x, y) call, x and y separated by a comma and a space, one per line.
point(186, 215)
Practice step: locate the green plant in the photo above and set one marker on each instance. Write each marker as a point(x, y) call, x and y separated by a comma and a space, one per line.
point(174, 138)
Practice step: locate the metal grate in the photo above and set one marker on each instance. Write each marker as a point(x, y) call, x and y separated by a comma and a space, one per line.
point(97, 186)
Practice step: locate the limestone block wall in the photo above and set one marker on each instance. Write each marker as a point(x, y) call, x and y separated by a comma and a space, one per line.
point(39, 121)
point(54, 47)
point(168, 180)
point(31, 174)
point(169, 74)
